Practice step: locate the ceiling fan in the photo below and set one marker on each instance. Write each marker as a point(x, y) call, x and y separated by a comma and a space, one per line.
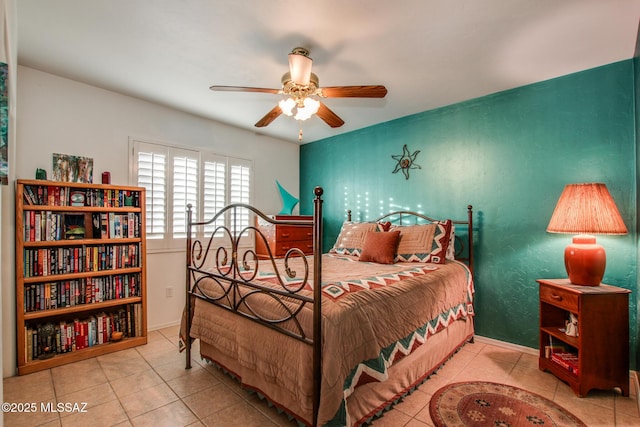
point(301, 87)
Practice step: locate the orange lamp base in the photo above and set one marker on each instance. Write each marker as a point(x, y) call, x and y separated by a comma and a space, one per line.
point(585, 261)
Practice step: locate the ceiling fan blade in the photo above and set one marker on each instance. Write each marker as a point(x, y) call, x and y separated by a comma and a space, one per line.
point(244, 89)
point(269, 117)
point(329, 116)
point(377, 91)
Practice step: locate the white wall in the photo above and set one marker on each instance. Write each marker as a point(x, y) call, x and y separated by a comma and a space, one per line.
point(57, 115)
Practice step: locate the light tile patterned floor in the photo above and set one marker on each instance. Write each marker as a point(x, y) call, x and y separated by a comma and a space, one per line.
point(148, 386)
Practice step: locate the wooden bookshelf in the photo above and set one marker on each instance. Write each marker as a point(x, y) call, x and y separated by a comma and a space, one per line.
point(80, 271)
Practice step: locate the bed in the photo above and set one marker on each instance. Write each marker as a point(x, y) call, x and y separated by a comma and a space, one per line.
point(396, 302)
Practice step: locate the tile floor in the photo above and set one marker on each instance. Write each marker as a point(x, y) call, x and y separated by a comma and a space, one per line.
point(148, 386)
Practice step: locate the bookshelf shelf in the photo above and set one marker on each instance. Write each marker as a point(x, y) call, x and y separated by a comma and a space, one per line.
point(79, 242)
point(71, 276)
point(80, 308)
point(55, 208)
point(80, 271)
point(598, 357)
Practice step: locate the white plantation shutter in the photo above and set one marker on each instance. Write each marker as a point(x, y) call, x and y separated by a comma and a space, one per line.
point(239, 190)
point(214, 175)
point(185, 190)
point(152, 176)
point(175, 177)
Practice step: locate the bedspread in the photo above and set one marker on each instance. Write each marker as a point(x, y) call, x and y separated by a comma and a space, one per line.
point(373, 315)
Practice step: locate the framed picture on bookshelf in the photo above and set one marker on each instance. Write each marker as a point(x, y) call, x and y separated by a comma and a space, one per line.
point(77, 198)
point(74, 226)
point(67, 168)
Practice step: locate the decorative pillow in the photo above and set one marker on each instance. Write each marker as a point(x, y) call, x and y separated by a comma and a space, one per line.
point(424, 243)
point(380, 247)
point(386, 226)
point(451, 249)
point(350, 241)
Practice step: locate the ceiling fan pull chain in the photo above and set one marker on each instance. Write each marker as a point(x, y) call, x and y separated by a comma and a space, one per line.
point(300, 133)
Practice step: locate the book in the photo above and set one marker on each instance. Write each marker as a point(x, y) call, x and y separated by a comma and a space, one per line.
point(550, 349)
point(131, 225)
point(62, 347)
point(100, 328)
point(34, 344)
point(29, 195)
point(567, 360)
point(95, 225)
point(104, 225)
point(29, 343)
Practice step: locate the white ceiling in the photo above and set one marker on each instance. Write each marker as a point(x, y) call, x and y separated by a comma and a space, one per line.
point(428, 53)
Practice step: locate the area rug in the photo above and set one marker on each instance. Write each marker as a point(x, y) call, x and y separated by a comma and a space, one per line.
point(479, 403)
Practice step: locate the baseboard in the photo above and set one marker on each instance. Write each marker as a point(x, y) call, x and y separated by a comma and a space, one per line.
point(507, 345)
point(636, 387)
point(162, 326)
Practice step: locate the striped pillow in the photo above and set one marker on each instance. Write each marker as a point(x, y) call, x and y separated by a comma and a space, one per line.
point(424, 243)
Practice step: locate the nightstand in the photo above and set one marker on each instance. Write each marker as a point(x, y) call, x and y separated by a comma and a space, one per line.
point(281, 237)
point(601, 348)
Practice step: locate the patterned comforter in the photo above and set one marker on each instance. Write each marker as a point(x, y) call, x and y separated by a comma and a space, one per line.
point(373, 316)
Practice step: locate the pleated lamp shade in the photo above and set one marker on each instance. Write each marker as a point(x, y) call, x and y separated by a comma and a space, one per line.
point(586, 209)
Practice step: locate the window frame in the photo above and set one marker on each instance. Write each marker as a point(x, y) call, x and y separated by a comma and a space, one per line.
point(168, 242)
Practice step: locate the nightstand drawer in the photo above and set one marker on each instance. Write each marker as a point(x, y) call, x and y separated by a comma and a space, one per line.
point(559, 297)
point(305, 246)
point(292, 232)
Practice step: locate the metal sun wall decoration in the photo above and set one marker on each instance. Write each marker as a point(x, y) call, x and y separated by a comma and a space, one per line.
point(406, 161)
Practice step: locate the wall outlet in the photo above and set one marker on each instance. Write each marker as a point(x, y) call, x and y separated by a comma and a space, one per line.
point(168, 292)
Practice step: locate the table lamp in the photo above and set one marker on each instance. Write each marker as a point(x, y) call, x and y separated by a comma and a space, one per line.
point(586, 209)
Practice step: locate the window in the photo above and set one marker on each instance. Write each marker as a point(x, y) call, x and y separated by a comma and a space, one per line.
point(175, 177)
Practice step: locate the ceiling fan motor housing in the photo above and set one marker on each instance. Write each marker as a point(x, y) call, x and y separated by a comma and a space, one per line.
point(297, 91)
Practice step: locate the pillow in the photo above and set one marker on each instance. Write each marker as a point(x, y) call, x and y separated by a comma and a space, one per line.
point(386, 226)
point(350, 241)
point(380, 247)
point(451, 249)
point(424, 243)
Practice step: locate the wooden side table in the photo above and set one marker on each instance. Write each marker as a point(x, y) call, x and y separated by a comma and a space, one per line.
point(602, 344)
point(280, 238)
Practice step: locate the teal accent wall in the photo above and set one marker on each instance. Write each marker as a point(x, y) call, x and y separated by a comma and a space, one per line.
point(509, 155)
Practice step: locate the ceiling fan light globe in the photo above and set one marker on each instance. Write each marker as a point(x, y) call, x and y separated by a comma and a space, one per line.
point(286, 105)
point(311, 105)
point(309, 108)
point(302, 115)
